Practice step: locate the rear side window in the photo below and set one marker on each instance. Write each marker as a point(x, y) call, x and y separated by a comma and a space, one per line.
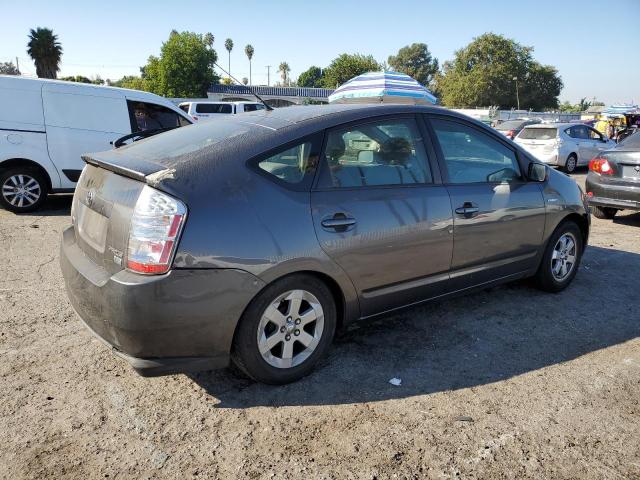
point(386, 152)
point(252, 107)
point(294, 164)
point(149, 116)
point(214, 108)
point(538, 133)
point(472, 156)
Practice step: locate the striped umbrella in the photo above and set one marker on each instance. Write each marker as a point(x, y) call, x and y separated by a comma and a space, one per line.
point(388, 87)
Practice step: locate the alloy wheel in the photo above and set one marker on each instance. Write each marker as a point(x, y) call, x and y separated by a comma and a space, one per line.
point(563, 258)
point(290, 329)
point(21, 190)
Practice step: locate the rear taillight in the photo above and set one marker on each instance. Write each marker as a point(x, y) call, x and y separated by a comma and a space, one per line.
point(601, 166)
point(155, 228)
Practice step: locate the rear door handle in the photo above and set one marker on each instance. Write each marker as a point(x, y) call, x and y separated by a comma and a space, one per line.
point(468, 209)
point(339, 222)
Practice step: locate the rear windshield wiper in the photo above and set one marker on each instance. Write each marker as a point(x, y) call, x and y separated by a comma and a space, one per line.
point(139, 135)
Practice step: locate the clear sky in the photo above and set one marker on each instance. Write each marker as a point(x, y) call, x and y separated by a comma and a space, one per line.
point(593, 43)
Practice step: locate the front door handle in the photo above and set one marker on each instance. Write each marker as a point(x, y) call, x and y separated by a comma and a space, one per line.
point(339, 222)
point(468, 210)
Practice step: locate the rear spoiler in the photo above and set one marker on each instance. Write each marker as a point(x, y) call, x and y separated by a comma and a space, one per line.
point(140, 170)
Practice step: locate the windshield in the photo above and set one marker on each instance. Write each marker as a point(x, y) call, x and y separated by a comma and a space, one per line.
point(538, 134)
point(510, 125)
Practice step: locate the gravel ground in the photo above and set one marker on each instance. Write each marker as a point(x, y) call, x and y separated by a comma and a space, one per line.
point(505, 383)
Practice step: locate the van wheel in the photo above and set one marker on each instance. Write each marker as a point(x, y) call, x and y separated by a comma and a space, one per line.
point(606, 213)
point(285, 330)
point(22, 189)
point(571, 164)
point(561, 258)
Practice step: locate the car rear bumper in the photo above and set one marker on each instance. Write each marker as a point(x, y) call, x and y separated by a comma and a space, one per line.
point(601, 194)
point(181, 321)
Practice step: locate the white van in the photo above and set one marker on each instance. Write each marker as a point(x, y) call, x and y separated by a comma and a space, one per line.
point(205, 110)
point(46, 125)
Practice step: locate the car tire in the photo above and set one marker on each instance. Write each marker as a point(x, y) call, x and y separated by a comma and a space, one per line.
point(271, 344)
point(571, 164)
point(606, 213)
point(551, 275)
point(22, 189)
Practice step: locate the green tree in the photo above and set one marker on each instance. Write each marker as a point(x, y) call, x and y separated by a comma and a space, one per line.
point(416, 61)
point(483, 72)
point(183, 69)
point(228, 44)
point(83, 79)
point(46, 52)
point(347, 66)
point(579, 107)
point(8, 68)
point(313, 77)
point(248, 50)
point(209, 39)
point(284, 70)
point(130, 81)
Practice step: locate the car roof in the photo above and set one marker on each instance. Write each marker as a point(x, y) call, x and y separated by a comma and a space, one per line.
point(552, 125)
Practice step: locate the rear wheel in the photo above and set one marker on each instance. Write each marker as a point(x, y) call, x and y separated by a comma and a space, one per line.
point(606, 213)
point(571, 163)
point(22, 189)
point(285, 330)
point(561, 258)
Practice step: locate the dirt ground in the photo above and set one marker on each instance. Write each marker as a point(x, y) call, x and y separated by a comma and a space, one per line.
point(505, 383)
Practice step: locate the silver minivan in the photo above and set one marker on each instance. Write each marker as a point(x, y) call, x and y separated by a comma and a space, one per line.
point(565, 145)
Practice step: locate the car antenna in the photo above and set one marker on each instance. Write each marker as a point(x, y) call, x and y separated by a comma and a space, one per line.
point(240, 83)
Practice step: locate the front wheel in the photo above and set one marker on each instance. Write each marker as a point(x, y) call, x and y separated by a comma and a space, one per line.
point(561, 258)
point(22, 190)
point(285, 330)
point(606, 213)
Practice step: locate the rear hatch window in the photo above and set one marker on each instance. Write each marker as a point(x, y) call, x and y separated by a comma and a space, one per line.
point(538, 134)
point(511, 125)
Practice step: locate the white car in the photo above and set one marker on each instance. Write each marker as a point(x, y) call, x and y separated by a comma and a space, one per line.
point(200, 111)
point(565, 145)
point(47, 125)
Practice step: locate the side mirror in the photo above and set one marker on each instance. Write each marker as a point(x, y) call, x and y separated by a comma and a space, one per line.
point(537, 172)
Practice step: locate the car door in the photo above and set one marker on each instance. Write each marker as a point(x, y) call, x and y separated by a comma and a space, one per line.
point(381, 213)
point(586, 146)
point(598, 141)
point(498, 215)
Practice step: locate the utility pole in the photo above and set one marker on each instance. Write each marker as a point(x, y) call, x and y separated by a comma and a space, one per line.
point(17, 66)
point(517, 94)
point(268, 75)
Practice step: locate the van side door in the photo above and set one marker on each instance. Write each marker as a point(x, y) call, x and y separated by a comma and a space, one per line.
point(81, 120)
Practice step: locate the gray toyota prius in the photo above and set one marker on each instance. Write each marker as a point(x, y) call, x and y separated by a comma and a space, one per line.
point(253, 239)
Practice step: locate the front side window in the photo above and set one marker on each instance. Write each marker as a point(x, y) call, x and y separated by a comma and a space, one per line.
point(293, 165)
point(595, 135)
point(472, 156)
point(252, 107)
point(387, 152)
point(149, 116)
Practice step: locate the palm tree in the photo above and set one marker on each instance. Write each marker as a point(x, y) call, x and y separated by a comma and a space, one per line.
point(228, 44)
point(209, 39)
point(284, 70)
point(249, 51)
point(45, 50)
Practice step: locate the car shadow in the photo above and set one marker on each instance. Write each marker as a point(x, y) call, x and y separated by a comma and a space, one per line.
point(632, 220)
point(478, 339)
point(54, 206)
